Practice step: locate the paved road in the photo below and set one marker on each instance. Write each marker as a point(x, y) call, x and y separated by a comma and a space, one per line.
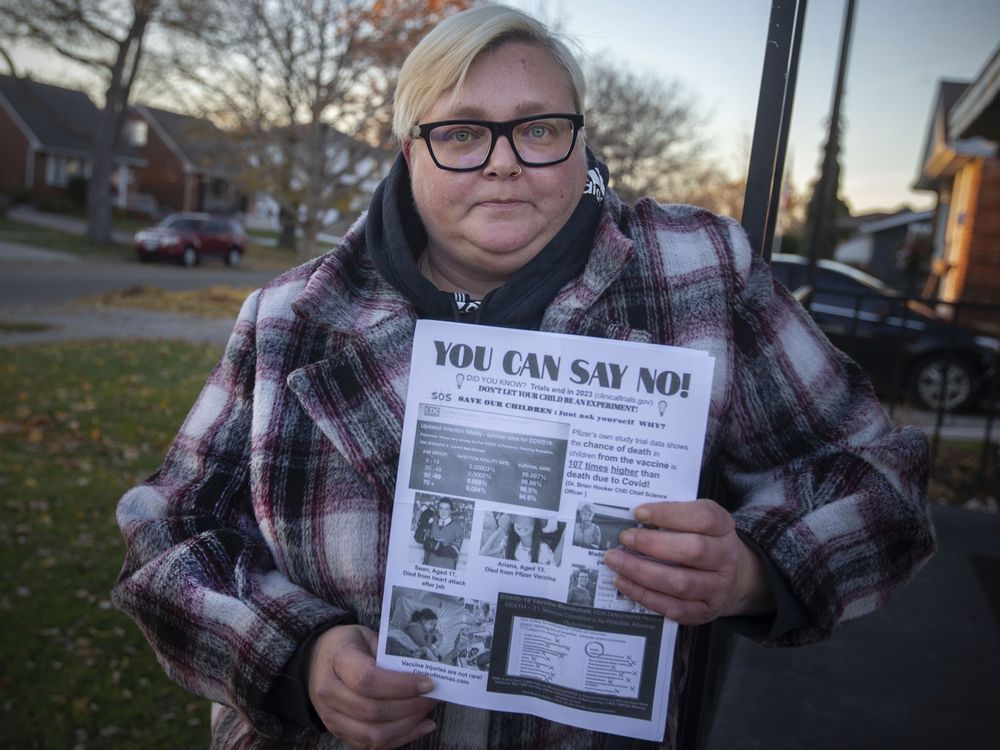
point(53, 279)
point(36, 285)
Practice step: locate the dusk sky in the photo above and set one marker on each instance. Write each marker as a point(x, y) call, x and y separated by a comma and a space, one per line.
point(900, 49)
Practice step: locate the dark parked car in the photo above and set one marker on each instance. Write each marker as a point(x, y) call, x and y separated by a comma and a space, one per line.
point(187, 238)
point(903, 345)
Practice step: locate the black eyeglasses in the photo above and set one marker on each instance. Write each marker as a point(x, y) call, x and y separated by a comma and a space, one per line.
point(466, 145)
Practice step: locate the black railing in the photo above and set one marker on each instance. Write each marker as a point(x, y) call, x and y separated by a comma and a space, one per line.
point(932, 362)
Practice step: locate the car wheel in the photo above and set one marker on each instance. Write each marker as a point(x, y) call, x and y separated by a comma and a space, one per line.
point(942, 382)
point(189, 257)
point(233, 257)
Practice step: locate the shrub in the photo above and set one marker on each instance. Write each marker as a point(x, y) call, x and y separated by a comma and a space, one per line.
point(77, 190)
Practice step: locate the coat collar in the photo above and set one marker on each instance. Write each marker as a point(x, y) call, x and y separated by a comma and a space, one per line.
point(346, 294)
point(356, 396)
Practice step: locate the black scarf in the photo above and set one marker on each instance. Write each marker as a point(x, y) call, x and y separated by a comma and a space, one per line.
point(395, 237)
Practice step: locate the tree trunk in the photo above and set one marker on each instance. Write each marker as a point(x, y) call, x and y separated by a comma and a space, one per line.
point(286, 238)
point(98, 188)
point(112, 117)
point(316, 145)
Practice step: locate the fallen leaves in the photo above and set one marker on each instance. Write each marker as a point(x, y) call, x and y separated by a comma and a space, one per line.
point(209, 302)
point(79, 424)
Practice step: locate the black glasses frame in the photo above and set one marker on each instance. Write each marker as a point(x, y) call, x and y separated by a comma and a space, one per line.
point(498, 129)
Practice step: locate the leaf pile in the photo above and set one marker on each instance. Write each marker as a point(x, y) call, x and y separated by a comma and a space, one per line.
point(209, 302)
point(958, 476)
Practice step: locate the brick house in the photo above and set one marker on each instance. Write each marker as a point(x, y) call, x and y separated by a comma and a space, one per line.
point(189, 162)
point(961, 163)
point(46, 139)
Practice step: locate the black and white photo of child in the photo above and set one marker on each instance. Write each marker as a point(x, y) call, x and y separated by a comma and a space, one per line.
point(527, 539)
point(582, 585)
point(438, 627)
point(440, 527)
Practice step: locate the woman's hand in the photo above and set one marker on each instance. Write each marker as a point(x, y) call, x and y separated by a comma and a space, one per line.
point(701, 569)
point(362, 704)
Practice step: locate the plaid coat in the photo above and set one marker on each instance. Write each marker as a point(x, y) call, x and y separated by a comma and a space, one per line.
point(270, 515)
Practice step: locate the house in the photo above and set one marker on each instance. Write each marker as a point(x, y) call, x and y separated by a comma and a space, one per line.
point(350, 171)
point(891, 247)
point(190, 163)
point(46, 139)
point(961, 164)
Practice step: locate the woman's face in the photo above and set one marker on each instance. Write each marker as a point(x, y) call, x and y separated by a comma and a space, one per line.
point(586, 514)
point(484, 225)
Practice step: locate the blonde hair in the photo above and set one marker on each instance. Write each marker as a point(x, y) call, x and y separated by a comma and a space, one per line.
point(442, 58)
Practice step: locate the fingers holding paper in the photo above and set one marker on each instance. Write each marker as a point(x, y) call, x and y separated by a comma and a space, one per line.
point(693, 566)
point(362, 704)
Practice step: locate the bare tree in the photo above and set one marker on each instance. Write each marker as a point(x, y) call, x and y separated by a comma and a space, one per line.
point(107, 36)
point(307, 86)
point(647, 130)
point(5, 55)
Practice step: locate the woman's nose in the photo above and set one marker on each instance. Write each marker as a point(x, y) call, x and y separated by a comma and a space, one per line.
point(503, 161)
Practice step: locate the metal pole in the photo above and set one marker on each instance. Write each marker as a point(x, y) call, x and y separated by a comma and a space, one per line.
point(786, 120)
point(774, 107)
point(823, 187)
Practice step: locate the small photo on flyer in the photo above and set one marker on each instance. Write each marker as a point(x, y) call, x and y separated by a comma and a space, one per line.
point(582, 586)
point(587, 533)
point(527, 539)
point(598, 526)
point(440, 531)
point(441, 628)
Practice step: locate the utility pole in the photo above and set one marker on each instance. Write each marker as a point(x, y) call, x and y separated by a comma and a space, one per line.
point(824, 187)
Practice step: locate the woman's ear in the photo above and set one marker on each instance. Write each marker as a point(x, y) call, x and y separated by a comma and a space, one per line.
point(407, 146)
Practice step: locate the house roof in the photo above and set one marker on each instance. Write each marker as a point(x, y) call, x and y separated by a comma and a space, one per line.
point(964, 125)
point(977, 111)
point(200, 146)
point(937, 138)
point(55, 119)
point(900, 219)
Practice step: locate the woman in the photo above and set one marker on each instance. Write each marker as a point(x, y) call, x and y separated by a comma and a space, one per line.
point(587, 533)
point(255, 561)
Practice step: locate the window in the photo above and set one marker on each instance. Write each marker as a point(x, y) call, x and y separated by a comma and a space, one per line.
point(136, 133)
point(59, 170)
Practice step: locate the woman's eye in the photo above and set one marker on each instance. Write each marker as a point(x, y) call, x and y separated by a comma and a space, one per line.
point(460, 135)
point(539, 130)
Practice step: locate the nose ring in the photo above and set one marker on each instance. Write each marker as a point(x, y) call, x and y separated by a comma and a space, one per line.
point(515, 174)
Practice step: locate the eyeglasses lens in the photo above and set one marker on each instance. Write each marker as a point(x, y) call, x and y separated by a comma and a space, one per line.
point(537, 142)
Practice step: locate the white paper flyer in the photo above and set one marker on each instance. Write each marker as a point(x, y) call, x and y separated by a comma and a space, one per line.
point(523, 455)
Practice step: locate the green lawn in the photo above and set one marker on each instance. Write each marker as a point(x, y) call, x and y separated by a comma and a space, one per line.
point(51, 239)
point(79, 424)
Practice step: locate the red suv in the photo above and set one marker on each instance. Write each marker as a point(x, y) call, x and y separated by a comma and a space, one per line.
point(187, 238)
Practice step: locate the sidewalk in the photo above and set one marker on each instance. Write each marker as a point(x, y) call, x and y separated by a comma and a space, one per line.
point(923, 673)
point(15, 251)
point(68, 224)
